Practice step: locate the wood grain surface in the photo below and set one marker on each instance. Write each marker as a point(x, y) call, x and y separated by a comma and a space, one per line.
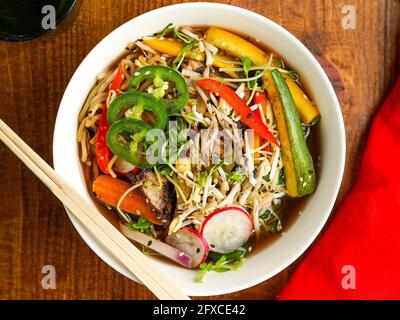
point(34, 230)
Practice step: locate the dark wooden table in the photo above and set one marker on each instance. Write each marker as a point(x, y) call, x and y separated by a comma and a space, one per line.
point(362, 64)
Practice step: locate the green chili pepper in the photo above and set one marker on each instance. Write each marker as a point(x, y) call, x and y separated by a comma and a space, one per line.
point(157, 73)
point(139, 102)
point(126, 139)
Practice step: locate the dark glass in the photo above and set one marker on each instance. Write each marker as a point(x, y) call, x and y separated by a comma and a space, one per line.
point(22, 19)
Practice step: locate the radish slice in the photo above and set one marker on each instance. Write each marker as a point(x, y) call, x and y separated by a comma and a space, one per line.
point(162, 248)
point(192, 243)
point(227, 229)
point(123, 167)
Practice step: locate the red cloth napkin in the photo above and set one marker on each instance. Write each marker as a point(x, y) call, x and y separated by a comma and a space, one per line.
point(358, 257)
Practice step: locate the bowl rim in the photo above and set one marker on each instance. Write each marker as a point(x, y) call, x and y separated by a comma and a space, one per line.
point(341, 138)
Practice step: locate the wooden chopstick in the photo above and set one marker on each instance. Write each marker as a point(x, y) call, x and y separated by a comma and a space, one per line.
point(98, 225)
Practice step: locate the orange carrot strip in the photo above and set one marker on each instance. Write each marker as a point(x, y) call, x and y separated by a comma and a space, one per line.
point(110, 190)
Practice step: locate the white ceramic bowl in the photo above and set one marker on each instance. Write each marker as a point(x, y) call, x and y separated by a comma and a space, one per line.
point(300, 235)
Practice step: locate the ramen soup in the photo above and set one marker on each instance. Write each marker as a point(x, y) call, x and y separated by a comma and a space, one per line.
point(202, 142)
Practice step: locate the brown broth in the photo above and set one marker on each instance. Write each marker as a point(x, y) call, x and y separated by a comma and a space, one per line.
point(290, 207)
point(109, 214)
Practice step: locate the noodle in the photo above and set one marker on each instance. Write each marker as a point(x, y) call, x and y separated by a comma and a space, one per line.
point(84, 153)
point(127, 63)
point(97, 107)
point(99, 98)
point(123, 214)
point(104, 85)
point(91, 121)
point(142, 60)
point(87, 103)
point(81, 129)
point(93, 140)
point(110, 166)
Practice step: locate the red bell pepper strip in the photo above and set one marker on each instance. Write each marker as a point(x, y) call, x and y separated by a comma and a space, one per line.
point(117, 82)
point(103, 152)
point(260, 98)
point(249, 117)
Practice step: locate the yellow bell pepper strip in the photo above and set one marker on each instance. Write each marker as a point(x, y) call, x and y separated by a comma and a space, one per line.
point(223, 62)
point(248, 117)
point(236, 46)
point(173, 47)
point(307, 110)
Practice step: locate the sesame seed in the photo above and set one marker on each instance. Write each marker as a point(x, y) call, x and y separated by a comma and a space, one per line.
point(149, 243)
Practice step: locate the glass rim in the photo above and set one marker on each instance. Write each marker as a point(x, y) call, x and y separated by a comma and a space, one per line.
point(37, 34)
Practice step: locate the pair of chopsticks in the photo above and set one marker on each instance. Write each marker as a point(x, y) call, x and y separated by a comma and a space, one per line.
point(99, 226)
